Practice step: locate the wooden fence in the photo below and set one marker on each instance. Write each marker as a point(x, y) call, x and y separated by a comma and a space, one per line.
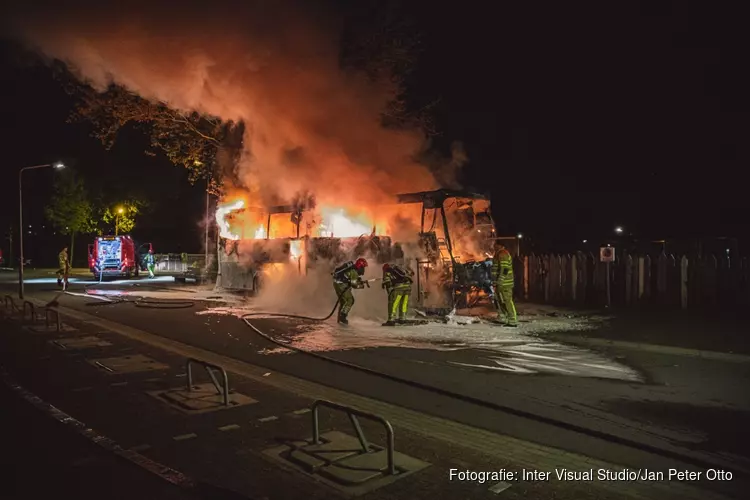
point(664, 280)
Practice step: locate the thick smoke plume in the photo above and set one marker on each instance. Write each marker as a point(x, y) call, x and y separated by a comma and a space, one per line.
point(274, 65)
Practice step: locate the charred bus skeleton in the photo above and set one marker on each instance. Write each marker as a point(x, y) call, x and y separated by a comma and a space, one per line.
point(446, 238)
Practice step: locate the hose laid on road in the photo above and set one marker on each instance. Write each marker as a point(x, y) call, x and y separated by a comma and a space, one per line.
point(141, 302)
point(611, 438)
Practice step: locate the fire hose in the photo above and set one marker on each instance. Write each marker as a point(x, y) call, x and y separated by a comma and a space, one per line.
point(139, 302)
point(612, 438)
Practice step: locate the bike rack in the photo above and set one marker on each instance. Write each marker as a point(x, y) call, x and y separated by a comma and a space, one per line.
point(9, 303)
point(224, 390)
point(47, 312)
point(352, 413)
point(30, 306)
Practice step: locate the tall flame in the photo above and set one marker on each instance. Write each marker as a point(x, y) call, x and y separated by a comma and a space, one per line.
point(222, 212)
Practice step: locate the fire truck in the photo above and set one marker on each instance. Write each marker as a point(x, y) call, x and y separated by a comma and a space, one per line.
point(116, 256)
point(451, 250)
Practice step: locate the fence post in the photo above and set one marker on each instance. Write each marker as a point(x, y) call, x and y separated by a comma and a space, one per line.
point(574, 278)
point(684, 282)
point(641, 277)
point(661, 277)
point(647, 276)
point(526, 277)
point(628, 279)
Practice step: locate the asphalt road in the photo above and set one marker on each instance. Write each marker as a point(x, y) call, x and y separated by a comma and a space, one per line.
point(687, 406)
point(222, 450)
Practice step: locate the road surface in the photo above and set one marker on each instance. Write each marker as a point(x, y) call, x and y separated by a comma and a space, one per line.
point(625, 407)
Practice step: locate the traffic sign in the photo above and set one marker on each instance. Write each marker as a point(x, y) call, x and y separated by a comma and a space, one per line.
point(607, 254)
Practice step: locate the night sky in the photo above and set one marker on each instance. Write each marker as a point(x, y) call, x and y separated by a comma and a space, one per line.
point(578, 117)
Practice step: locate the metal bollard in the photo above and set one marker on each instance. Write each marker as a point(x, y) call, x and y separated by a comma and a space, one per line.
point(47, 312)
point(30, 306)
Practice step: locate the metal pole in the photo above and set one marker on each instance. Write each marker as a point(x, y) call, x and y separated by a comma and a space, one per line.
point(609, 295)
point(208, 220)
point(20, 235)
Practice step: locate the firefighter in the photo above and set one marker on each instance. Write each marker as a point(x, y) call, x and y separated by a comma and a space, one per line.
point(397, 283)
point(64, 269)
point(502, 275)
point(345, 277)
point(150, 262)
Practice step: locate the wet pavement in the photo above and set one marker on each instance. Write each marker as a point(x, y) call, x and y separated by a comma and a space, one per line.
point(223, 450)
point(612, 391)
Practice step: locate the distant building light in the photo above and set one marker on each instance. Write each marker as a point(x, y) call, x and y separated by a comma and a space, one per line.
point(585, 241)
point(727, 250)
point(619, 230)
point(520, 236)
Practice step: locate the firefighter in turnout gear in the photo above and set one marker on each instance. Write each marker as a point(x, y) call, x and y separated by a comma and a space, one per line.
point(347, 276)
point(64, 268)
point(502, 276)
point(150, 262)
point(397, 282)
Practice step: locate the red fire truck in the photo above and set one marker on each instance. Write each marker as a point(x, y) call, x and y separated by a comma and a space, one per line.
point(116, 256)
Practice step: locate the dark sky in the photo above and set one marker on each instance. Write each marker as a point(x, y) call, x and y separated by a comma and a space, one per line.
point(577, 116)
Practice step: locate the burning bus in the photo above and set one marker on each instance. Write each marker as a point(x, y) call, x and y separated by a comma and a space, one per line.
point(445, 236)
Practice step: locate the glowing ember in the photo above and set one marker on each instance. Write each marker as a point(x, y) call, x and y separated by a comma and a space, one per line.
point(221, 218)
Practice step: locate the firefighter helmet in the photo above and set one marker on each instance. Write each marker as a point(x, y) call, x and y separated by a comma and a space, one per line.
point(386, 267)
point(361, 263)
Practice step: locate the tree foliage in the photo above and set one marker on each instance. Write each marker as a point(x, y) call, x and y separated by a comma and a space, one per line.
point(70, 209)
point(123, 216)
point(191, 140)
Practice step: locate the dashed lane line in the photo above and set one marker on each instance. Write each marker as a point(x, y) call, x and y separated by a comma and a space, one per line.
point(268, 419)
point(301, 412)
point(229, 427)
point(185, 437)
point(161, 470)
point(499, 487)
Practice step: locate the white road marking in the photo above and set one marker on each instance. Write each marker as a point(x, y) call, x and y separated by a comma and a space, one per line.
point(499, 487)
point(181, 375)
point(229, 427)
point(268, 419)
point(183, 437)
point(302, 411)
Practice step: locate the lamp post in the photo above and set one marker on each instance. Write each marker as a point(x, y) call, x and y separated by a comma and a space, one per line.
point(57, 165)
point(117, 219)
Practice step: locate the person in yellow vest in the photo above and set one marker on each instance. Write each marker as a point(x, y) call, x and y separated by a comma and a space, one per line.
point(345, 277)
point(397, 283)
point(64, 268)
point(502, 276)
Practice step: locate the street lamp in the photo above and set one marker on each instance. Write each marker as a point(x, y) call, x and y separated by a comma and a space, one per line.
point(58, 165)
point(619, 230)
point(117, 219)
